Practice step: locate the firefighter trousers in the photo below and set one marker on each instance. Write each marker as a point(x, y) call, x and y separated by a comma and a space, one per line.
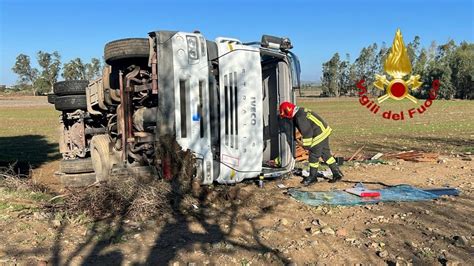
point(321, 150)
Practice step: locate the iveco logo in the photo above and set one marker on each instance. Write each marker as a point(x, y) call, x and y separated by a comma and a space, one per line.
point(253, 111)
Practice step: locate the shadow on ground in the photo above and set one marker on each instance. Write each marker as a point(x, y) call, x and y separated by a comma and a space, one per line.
point(26, 152)
point(174, 233)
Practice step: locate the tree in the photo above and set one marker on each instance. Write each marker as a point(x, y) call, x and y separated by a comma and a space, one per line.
point(331, 76)
point(27, 74)
point(347, 77)
point(367, 65)
point(380, 58)
point(439, 68)
point(51, 65)
point(462, 66)
point(77, 70)
point(93, 69)
point(419, 68)
point(451, 64)
point(413, 49)
point(74, 70)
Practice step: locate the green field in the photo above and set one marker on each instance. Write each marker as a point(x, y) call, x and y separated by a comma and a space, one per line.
point(29, 134)
point(445, 127)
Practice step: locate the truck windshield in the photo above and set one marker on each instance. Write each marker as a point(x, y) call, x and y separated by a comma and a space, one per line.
point(295, 70)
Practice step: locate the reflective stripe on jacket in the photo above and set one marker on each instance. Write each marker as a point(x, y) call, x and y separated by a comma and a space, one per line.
point(313, 128)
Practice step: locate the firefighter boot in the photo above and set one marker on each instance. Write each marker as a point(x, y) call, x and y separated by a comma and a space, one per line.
point(312, 178)
point(336, 173)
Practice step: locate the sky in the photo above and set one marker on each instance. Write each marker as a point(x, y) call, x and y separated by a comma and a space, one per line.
point(317, 29)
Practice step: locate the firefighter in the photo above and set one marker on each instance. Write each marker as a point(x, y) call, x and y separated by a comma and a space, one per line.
point(315, 133)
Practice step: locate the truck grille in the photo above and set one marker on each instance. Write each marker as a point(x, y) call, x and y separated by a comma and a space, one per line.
point(231, 110)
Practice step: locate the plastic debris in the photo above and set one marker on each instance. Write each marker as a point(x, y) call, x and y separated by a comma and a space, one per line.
point(362, 191)
point(391, 194)
point(377, 156)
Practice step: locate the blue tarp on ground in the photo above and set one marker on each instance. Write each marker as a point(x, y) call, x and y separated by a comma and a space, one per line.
point(394, 194)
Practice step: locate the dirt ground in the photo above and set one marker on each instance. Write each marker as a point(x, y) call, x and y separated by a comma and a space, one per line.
point(23, 101)
point(245, 224)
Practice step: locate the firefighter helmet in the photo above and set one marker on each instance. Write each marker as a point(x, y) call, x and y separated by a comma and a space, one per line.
point(286, 109)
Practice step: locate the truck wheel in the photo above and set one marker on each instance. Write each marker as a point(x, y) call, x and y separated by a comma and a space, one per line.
point(100, 157)
point(76, 166)
point(77, 180)
point(70, 87)
point(51, 98)
point(70, 102)
point(125, 49)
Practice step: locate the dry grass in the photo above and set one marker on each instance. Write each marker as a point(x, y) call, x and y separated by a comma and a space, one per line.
point(124, 198)
point(12, 181)
point(133, 198)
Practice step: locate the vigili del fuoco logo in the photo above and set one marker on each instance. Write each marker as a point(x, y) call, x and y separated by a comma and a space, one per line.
point(397, 85)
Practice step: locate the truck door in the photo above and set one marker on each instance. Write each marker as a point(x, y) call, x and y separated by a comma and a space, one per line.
point(240, 92)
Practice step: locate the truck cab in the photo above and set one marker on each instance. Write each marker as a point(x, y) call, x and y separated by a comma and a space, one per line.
point(216, 98)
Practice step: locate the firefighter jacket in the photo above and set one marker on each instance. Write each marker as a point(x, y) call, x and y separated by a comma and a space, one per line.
point(313, 128)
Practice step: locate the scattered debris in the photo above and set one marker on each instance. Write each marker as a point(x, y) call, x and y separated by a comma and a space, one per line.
point(377, 156)
point(415, 156)
point(356, 153)
point(390, 194)
point(301, 154)
point(360, 190)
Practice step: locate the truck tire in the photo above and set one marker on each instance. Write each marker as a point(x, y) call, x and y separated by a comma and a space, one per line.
point(125, 49)
point(76, 166)
point(77, 180)
point(100, 157)
point(70, 102)
point(70, 87)
point(51, 98)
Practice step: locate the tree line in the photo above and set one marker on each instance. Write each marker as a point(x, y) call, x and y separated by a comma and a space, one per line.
point(40, 81)
point(452, 64)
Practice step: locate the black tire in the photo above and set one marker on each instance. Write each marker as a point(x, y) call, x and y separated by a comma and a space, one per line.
point(70, 87)
point(77, 180)
point(76, 166)
point(51, 98)
point(126, 49)
point(70, 103)
point(100, 157)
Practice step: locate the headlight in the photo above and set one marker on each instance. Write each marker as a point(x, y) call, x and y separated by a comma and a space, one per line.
point(192, 47)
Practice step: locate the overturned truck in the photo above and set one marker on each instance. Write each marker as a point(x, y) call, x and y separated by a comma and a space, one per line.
point(217, 99)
